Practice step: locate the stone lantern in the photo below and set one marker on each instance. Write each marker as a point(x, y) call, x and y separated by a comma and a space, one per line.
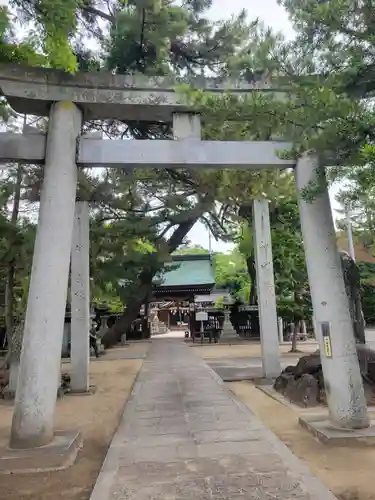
point(228, 332)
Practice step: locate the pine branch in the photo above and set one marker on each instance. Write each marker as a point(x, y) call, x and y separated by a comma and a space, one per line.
point(98, 13)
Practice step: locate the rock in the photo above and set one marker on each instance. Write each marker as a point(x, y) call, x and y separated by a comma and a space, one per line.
point(60, 392)
point(369, 392)
point(65, 381)
point(308, 386)
point(319, 377)
point(4, 378)
point(290, 391)
point(304, 390)
point(322, 397)
point(371, 371)
point(282, 382)
point(308, 364)
point(290, 369)
point(304, 383)
point(366, 356)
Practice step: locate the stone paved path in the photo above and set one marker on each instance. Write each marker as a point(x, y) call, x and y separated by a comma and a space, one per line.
point(183, 436)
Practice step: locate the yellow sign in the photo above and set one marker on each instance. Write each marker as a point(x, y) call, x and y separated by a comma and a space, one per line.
point(327, 347)
point(326, 333)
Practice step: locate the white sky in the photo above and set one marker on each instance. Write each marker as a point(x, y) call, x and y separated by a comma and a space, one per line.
point(274, 16)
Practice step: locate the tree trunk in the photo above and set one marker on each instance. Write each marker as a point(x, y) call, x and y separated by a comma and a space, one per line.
point(9, 287)
point(145, 324)
point(296, 331)
point(144, 286)
point(9, 302)
point(352, 281)
point(15, 356)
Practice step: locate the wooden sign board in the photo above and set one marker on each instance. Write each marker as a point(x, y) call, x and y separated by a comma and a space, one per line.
point(201, 316)
point(247, 308)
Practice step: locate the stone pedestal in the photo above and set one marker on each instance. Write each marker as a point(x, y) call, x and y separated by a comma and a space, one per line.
point(59, 454)
point(35, 402)
point(323, 430)
point(334, 329)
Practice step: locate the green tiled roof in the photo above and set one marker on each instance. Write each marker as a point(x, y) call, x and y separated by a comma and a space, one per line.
point(186, 270)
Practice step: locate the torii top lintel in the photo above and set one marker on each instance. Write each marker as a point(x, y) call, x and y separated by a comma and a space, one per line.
point(103, 95)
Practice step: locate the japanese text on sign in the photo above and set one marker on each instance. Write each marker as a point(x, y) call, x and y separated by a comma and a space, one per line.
point(326, 333)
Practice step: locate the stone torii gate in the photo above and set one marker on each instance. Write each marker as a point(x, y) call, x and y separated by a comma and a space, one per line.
point(62, 233)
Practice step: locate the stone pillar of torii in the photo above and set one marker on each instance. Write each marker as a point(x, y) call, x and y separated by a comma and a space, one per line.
point(63, 238)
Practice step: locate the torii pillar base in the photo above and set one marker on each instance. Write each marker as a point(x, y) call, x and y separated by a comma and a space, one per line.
point(322, 429)
point(57, 455)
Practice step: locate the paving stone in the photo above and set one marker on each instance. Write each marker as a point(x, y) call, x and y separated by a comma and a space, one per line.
point(153, 472)
point(176, 420)
point(192, 405)
point(172, 453)
point(155, 430)
point(183, 436)
point(215, 436)
point(177, 490)
point(152, 414)
point(231, 448)
point(207, 425)
point(158, 440)
point(144, 407)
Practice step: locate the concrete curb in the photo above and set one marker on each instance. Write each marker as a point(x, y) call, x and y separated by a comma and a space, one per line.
point(105, 477)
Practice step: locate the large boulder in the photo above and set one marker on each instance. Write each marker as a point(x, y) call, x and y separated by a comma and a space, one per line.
point(308, 364)
point(282, 381)
point(303, 384)
point(303, 391)
point(290, 369)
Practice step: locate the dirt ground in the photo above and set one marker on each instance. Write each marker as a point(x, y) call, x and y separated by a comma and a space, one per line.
point(347, 472)
point(212, 351)
point(97, 416)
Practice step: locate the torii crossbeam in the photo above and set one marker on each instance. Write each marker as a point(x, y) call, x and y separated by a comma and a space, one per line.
point(31, 149)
